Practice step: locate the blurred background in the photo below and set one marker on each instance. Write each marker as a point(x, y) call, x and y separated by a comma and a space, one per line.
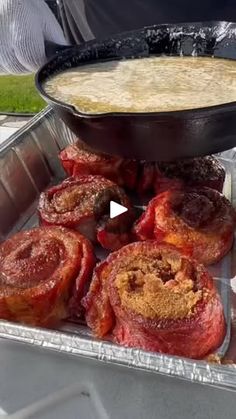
point(19, 99)
point(18, 94)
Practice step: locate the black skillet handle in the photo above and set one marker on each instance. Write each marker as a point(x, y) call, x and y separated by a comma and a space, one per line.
point(52, 49)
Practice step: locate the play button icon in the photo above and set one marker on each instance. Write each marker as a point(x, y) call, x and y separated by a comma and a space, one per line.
point(113, 211)
point(116, 209)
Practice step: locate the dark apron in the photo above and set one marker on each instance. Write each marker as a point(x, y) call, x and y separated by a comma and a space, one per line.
point(87, 19)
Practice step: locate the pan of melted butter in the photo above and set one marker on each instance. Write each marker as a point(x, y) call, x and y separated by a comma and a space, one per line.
point(154, 84)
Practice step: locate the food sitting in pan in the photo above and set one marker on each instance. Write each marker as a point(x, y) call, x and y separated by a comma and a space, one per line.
point(147, 295)
point(78, 159)
point(44, 274)
point(153, 84)
point(82, 203)
point(200, 221)
point(199, 171)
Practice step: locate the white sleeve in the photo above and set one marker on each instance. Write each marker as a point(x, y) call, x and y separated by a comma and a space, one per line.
point(24, 27)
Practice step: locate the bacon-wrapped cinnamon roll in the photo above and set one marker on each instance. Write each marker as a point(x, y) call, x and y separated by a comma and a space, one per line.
point(159, 177)
point(78, 159)
point(200, 171)
point(147, 295)
point(200, 221)
point(82, 204)
point(44, 274)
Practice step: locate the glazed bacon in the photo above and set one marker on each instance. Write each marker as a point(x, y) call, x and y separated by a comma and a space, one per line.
point(82, 204)
point(200, 221)
point(148, 295)
point(78, 159)
point(44, 274)
point(198, 172)
point(158, 177)
point(147, 175)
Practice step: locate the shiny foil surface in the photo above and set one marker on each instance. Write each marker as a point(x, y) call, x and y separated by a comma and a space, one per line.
point(28, 164)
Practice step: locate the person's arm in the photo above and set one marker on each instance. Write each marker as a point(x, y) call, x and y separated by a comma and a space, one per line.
point(25, 25)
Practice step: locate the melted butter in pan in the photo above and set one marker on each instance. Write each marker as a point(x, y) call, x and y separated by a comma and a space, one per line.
point(155, 84)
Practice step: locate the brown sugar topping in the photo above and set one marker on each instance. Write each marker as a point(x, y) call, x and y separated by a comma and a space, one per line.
point(195, 208)
point(196, 169)
point(72, 197)
point(159, 288)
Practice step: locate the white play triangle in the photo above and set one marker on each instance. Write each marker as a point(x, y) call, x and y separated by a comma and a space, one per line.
point(116, 209)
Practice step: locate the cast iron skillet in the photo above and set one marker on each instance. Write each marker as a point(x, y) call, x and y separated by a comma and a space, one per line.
point(151, 136)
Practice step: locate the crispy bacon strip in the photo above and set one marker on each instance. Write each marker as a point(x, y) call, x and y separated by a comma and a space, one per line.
point(82, 204)
point(44, 271)
point(200, 221)
point(148, 295)
point(147, 175)
point(78, 159)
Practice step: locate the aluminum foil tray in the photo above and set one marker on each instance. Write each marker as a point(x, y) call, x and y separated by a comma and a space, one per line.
point(28, 164)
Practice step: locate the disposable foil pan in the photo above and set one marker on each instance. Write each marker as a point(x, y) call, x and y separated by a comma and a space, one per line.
point(28, 164)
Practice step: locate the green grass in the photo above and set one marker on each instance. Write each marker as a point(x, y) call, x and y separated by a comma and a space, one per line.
point(18, 94)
